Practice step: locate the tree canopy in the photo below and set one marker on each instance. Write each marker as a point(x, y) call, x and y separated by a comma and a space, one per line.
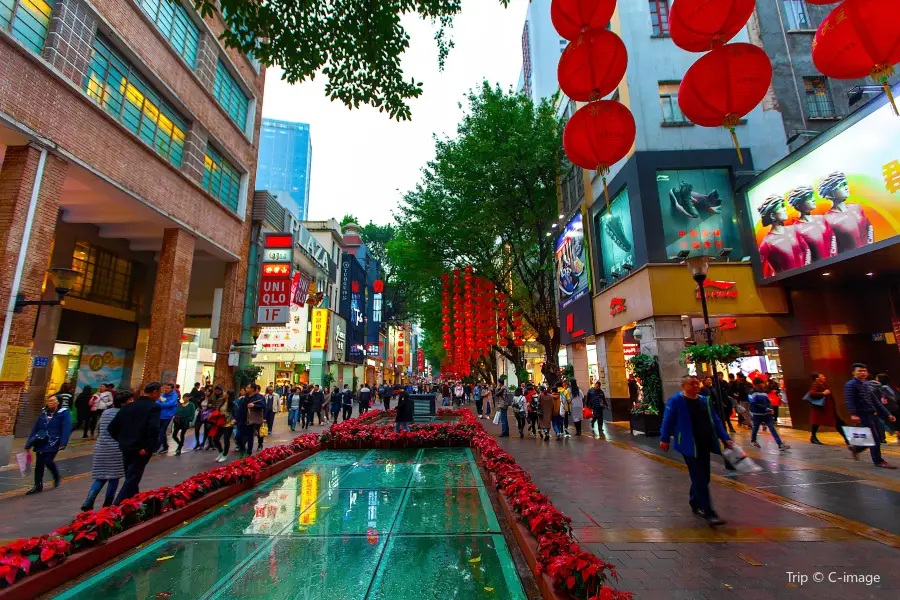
point(356, 46)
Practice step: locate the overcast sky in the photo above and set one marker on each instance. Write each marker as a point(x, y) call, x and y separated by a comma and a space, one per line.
point(361, 157)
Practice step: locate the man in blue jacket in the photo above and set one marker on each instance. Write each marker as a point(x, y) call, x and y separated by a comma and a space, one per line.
point(168, 404)
point(697, 431)
point(864, 408)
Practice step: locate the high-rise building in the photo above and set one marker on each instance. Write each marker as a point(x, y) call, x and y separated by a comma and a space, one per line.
point(285, 160)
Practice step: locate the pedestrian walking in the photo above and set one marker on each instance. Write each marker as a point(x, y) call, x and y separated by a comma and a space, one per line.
point(82, 408)
point(107, 468)
point(317, 398)
point(256, 416)
point(558, 410)
point(577, 405)
point(459, 393)
point(49, 434)
point(404, 409)
point(182, 421)
point(519, 408)
point(533, 407)
point(865, 408)
point(697, 430)
point(823, 411)
point(335, 405)
point(136, 428)
point(597, 401)
point(502, 402)
point(487, 396)
point(445, 394)
point(723, 396)
point(271, 407)
point(293, 403)
point(346, 402)
point(326, 403)
point(546, 403)
point(221, 435)
point(888, 396)
point(365, 399)
point(386, 392)
point(762, 413)
point(168, 404)
point(565, 402)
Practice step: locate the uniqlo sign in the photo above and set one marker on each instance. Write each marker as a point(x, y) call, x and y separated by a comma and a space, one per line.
point(275, 281)
point(275, 291)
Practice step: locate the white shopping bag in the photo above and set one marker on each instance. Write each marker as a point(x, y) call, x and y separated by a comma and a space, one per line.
point(739, 459)
point(859, 436)
point(23, 459)
point(497, 418)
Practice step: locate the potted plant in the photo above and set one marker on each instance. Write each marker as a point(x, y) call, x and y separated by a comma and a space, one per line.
point(646, 416)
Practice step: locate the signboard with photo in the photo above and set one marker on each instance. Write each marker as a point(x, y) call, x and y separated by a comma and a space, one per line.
point(571, 262)
point(838, 198)
point(616, 238)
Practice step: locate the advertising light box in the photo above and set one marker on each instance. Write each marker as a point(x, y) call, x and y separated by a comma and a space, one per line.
point(835, 200)
point(571, 262)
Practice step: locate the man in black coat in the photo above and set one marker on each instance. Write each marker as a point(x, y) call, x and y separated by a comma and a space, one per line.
point(597, 402)
point(136, 428)
point(404, 409)
point(318, 399)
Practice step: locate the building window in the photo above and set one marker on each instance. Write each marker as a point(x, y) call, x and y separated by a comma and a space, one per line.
point(668, 101)
point(230, 95)
point(113, 84)
point(818, 98)
point(105, 277)
point(221, 179)
point(173, 21)
point(27, 21)
point(797, 15)
point(526, 60)
point(659, 17)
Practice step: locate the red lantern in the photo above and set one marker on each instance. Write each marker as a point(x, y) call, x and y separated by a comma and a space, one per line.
point(378, 286)
point(504, 342)
point(860, 38)
point(725, 85)
point(519, 342)
point(571, 17)
point(599, 135)
point(592, 66)
point(701, 25)
point(445, 276)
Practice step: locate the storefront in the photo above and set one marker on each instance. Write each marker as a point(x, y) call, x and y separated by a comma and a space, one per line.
point(283, 352)
point(573, 284)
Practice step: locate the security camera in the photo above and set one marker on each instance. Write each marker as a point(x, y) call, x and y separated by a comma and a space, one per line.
point(638, 333)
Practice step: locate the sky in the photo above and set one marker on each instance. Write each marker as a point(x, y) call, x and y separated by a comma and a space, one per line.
point(363, 161)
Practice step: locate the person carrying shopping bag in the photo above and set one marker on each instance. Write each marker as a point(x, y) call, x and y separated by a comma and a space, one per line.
point(49, 435)
point(576, 404)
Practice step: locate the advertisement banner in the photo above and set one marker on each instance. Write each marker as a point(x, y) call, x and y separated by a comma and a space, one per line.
point(616, 238)
point(100, 364)
point(698, 211)
point(840, 197)
point(319, 337)
point(571, 262)
point(300, 289)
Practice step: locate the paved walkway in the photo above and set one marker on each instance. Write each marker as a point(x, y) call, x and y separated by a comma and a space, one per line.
point(25, 516)
point(812, 510)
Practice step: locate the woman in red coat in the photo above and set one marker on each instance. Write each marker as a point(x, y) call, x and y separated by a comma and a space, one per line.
point(826, 414)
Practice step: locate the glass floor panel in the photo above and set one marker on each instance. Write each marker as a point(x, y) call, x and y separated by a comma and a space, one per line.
point(343, 525)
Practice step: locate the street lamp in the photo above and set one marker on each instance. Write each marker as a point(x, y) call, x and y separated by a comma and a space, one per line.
point(63, 280)
point(698, 265)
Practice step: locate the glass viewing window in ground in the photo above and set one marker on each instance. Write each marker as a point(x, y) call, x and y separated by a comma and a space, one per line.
point(221, 179)
point(659, 16)
point(668, 101)
point(797, 15)
point(230, 95)
point(173, 21)
point(27, 21)
point(818, 98)
point(113, 84)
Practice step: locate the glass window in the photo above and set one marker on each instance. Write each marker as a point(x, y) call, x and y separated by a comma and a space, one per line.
point(616, 239)
point(818, 97)
point(105, 277)
point(230, 95)
point(659, 16)
point(173, 21)
point(221, 179)
point(668, 101)
point(112, 83)
point(27, 20)
point(797, 14)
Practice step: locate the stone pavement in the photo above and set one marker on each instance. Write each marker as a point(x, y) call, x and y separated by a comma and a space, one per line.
point(812, 510)
point(25, 516)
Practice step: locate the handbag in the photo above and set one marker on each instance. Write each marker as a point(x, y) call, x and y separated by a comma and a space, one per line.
point(497, 418)
point(588, 413)
point(264, 430)
point(814, 401)
point(742, 463)
point(859, 436)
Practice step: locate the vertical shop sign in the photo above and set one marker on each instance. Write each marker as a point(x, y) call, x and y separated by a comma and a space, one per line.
point(275, 285)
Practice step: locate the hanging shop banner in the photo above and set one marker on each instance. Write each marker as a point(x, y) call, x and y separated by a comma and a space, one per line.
point(275, 280)
point(615, 237)
point(571, 262)
point(319, 337)
point(833, 202)
point(300, 289)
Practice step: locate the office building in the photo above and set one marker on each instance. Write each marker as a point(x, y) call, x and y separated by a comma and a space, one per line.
point(285, 160)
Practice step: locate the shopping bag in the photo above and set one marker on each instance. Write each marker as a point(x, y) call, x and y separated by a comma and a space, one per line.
point(859, 436)
point(497, 418)
point(588, 413)
point(739, 459)
point(23, 459)
point(264, 430)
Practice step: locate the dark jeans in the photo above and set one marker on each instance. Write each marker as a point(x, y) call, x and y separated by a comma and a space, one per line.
point(728, 424)
point(532, 423)
point(134, 470)
point(197, 426)
point(45, 459)
point(387, 403)
point(401, 425)
point(248, 433)
point(90, 422)
point(870, 421)
point(556, 421)
point(767, 420)
point(223, 434)
point(111, 487)
point(698, 468)
point(479, 404)
point(293, 415)
point(597, 422)
point(520, 421)
point(348, 412)
point(178, 434)
point(334, 415)
point(163, 443)
point(577, 427)
point(504, 422)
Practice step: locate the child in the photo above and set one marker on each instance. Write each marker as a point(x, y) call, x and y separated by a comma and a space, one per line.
point(762, 412)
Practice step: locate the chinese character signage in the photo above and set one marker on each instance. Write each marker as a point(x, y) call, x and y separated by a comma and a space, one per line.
point(319, 338)
point(275, 281)
point(698, 211)
point(838, 198)
point(571, 262)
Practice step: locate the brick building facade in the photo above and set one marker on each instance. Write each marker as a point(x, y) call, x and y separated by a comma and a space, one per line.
point(128, 139)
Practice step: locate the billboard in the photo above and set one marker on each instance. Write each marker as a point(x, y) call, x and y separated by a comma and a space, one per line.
point(571, 262)
point(838, 198)
point(698, 211)
point(353, 306)
point(101, 364)
point(615, 237)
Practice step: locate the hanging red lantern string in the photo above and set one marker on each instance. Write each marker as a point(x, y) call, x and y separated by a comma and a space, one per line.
point(701, 25)
point(572, 17)
point(860, 38)
point(599, 135)
point(724, 85)
point(592, 66)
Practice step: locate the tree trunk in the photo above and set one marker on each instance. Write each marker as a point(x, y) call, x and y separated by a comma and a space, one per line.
point(550, 370)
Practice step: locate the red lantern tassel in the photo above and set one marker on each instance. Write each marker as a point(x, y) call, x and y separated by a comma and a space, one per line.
point(881, 74)
point(732, 121)
point(604, 171)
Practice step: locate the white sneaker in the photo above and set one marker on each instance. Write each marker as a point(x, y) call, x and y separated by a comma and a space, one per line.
point(221, 458)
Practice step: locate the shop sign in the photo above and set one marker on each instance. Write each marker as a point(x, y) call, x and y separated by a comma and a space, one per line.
point(277, 255)
point(726, 323)
point(300, 289)
point(373, 350)
point(357, 351)
point(274, 291)
point(718, 289)
point(617, 306)
point(275, 281)
point(319, 339)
